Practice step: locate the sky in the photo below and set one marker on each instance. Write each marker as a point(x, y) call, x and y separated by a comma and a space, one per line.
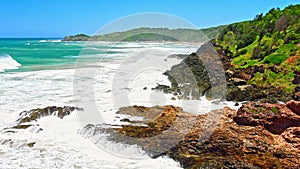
point(58, 18)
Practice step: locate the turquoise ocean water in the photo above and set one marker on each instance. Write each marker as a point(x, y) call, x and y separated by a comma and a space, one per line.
point(37, 73)
point(18, 55)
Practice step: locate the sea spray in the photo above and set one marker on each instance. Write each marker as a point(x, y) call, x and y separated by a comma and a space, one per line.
point(7, 62)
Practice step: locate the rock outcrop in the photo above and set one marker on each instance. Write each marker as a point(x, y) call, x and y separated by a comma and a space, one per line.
point(258, 135)
point(211, 73)
point(199, 74)
point(26, 117)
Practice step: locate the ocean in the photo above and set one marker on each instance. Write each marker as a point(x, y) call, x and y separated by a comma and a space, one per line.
point(36, 73)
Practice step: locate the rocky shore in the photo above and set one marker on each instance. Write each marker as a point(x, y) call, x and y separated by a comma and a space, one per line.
point(258, 135)
point(210, 72)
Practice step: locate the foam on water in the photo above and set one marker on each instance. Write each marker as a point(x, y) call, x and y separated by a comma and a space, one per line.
point(60, 145)
point(7, 62)
point(52, 40)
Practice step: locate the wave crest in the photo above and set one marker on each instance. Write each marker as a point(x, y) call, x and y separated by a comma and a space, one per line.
point(7, 62)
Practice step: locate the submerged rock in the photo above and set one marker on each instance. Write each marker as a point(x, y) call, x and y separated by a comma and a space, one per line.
point(34, 114)
point(258, 135)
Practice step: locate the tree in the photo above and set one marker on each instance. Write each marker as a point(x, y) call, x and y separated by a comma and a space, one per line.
point(259, 17)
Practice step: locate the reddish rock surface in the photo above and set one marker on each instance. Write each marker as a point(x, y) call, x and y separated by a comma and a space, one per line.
point(258, 135)
point(294, 106)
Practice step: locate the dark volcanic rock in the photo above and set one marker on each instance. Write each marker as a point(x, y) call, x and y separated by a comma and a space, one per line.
point(211, 73)
point(258, 135)
point(164, 88)
point(199, 74)
point(32, 115)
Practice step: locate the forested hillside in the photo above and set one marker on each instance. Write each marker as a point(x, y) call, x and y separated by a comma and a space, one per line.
point(270, 41)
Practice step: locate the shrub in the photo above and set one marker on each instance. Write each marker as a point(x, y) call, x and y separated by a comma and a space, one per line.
point(275, 59)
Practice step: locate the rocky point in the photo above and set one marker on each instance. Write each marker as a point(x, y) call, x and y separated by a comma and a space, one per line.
point(258, 135)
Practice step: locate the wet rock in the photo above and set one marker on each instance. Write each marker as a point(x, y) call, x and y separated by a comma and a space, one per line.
point(164, 88)
point(199, 74)
point(258, 135)
point(125, 120)
point(34, 114)
point(26, 117)
point(31, 144)
point(178, 56)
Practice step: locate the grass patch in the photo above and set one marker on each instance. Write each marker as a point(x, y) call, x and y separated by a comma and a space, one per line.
point(274, 110)
point(279, 80)
point(275, 59)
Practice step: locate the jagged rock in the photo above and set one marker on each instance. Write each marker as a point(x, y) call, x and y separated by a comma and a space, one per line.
point(34, 114)
point(178, 56)
point(258, 135)
point(200, 74)
point(250, 93)
point(164, 88)
point(26, 117)
point(275, 118)
point(294, 106)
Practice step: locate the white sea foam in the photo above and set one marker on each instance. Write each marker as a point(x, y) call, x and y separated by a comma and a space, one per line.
point(52, 40)
point(59, 145)
point(7, 62)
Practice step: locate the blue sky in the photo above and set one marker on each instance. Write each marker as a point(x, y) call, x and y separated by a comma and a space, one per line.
point(57, 18)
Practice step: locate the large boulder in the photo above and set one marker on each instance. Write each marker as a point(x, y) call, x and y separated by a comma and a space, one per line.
point(294, 106)
point(200, 73)
point(275, 118)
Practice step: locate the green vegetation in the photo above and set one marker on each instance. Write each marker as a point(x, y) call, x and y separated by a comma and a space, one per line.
point(270, 40)
point(78, 37)
point(154, 34)
point(274, 110)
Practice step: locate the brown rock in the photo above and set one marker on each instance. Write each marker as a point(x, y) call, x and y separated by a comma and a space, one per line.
point(294, 106)
point(275, 118)
point(258, 135)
